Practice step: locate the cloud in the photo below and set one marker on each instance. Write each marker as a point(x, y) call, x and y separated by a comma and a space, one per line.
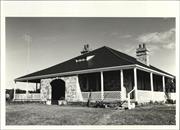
point(118, 35)
point(159, 39)
point(114, 34)
point(125, 36)
point(169, 46)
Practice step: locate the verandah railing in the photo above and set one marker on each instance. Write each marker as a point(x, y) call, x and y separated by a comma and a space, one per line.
point(28, 97)
point(108, 95)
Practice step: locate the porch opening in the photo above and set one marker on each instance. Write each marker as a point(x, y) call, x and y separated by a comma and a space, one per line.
point(58, 90)
point(157, 83)
point(112, 81)
point(143, 80)
point(129, 82)
point(90, 82)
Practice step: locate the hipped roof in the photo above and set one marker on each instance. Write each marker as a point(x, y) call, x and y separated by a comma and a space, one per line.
point(99, 58)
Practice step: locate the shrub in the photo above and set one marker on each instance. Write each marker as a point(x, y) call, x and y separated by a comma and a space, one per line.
point(100, 104)
point(109, 104)
point(170, 101)
point(151, 102)
point(76, 104)
point(136, 103)
point(8, 97)
point(9, 94)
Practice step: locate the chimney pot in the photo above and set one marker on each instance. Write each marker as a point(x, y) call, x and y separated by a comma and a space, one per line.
point(142, 54)
point(144, 45)
point(85, 49)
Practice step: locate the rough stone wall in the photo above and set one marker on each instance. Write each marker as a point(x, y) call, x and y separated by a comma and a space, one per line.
point(46, 89)
point(72, 89)
point(72, 92)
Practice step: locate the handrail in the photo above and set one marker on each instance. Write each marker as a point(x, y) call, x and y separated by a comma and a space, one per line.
point(131, 91)
point(129, 104)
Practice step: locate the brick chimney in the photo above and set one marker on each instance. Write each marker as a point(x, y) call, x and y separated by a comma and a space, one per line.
point(86, 49)
point(142, 54)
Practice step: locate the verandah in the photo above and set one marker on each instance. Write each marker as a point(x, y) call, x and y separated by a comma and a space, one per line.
point(116, 84)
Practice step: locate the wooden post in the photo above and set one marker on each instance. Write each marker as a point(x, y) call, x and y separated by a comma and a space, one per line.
point(36, 86)
point(135, 84)
point(27, 90)
point(151, 78)
point(14, 97)
point(123, 93)
point(163, 81)
point(152, 86)
point(41, 94)
point(40, 86)
point(87, 83)
point(102, 86)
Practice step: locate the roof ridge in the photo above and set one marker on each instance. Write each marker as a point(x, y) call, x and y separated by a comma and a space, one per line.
point(112, 51)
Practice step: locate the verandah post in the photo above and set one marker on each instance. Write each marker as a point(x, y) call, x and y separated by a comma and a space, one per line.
point(135, 84)
point(151, 78)
point(36, 86)
point(163, 81)
point(27, 90)
point(123, 94)
point(14, 97)
point(102, 86)
point(152, 86)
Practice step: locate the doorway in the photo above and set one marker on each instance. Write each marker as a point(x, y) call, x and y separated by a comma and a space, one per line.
point(58, 90)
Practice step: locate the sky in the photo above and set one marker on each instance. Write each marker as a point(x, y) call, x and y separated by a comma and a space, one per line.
point(35, 43)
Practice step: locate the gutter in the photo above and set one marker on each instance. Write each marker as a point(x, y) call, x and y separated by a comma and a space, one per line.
point(75, 72)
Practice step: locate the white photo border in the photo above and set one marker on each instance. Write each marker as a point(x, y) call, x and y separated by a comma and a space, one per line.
point(87, 9)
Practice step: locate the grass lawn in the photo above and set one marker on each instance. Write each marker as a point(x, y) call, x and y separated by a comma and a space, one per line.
point(40, 114)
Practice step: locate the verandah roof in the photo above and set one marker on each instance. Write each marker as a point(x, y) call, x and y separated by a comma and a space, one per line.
point(99, 58)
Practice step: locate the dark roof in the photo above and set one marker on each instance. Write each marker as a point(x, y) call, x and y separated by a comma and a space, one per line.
point(103, 57)
point(156, 69)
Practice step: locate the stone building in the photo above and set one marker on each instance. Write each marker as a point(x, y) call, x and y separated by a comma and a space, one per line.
point(105, 73)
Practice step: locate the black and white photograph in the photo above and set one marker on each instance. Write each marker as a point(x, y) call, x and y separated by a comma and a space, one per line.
point(78, 65)
point(79, 71)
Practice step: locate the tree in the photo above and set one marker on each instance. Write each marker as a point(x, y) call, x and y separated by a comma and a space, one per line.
point(170, 86)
